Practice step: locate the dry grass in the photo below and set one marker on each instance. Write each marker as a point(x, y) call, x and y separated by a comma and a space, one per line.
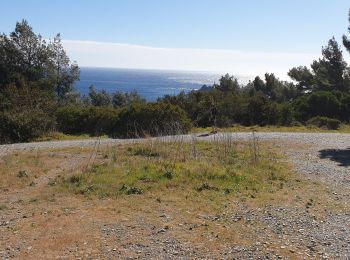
point(18, 170)
point(294, 129)
point(22, 169)
point(58, 136)
point(217, 168)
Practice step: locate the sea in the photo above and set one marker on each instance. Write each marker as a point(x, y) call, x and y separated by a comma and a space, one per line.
point(150, 84)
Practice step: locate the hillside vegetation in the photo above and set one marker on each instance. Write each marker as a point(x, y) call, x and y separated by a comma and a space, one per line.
point(37, 97)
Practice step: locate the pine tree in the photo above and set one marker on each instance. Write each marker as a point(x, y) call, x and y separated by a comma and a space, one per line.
point(346, 40)
point(329, 71)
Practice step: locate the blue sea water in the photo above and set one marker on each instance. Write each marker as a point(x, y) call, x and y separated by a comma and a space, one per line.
point(150, 84)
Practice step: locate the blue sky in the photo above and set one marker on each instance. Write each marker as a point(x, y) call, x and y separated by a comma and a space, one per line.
point(259, 27)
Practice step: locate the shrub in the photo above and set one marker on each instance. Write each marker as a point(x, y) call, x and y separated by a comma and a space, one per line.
point(324, 122)
point(261, 111)
point(26, 113)
point(285, 114)
point(206, 186)
point(345, 107)
point(321, 103)
point(70, 119)
point(131, 190)
point(22, 174)
point(86, 120)
point(152, 119)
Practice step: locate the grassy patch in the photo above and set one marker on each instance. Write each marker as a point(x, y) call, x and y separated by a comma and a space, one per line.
point(296, 129)
point(58, 136)
point(22, 169)
point(196, 167)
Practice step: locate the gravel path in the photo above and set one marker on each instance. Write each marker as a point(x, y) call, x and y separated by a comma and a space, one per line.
point(322, 157)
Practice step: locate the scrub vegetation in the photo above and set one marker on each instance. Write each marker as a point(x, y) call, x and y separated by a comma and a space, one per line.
point(37, 97)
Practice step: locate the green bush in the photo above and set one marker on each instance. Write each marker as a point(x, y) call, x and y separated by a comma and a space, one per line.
point(285, 114)
point(261, 111)
point(138, 120)
point(151, 119)
point(25, 114)
point(321, 103)
point(70, 119)
point(345, 107)
point(86, 120)
point(324, 122)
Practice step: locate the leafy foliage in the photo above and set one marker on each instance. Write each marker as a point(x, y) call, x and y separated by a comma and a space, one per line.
point(321, 103)
point(37, 96)
point(26, 56)
point(346, 40)
point(34, 77)
point(152, 119)
point(329, 73)
point(25, 113)
point(91, 120)
point(324, 122)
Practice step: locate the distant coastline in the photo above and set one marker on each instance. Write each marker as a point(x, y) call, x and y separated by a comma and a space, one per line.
point(151, 84)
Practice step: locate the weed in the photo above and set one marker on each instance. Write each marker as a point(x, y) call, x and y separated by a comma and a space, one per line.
point(227, 191)
point(22, 174)
point(75, 179)
point(86, 189)
point(309, 204)
point(145, 152)
point(206, 186)
point(3, 207)
point(254, 149)
point(52, 182)
point(169, 175)
point(131, 190)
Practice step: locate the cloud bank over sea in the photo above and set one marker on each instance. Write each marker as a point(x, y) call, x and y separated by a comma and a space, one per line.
point(237, 62)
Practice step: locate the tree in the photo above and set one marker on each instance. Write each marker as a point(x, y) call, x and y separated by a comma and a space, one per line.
point(122, 99)
point(23, 54)
point(329, 71)
point(99, 98)
point(258, 110)
point(346, 40)
point(228, 83)
point(63, 73)
point(273, 88)
point(259, 84)
point(304, 77)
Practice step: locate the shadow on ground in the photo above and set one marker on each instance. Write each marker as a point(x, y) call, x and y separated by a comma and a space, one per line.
point(341, 156)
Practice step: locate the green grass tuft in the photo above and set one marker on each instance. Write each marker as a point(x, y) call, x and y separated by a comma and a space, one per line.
point(221, 166)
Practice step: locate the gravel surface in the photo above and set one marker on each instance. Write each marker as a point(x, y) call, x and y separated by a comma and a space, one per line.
point(322, 157)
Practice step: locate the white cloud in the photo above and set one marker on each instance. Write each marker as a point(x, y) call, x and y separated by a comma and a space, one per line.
point(117, 55)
